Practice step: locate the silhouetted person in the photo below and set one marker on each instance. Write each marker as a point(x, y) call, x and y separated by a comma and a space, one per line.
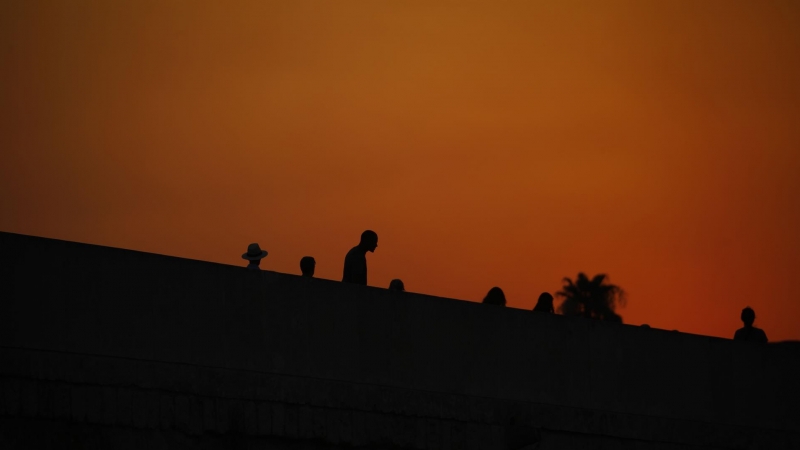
point(397, 285)
point(307, 266)
point(495, 297)
point(355, 263)
point(749, 332)
point(254, 255)
point(545, 303)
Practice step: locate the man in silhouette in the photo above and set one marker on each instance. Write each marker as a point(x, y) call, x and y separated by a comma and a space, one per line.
point(355, 263)
point(749, 332)
point(254, 255)
point(307, 266)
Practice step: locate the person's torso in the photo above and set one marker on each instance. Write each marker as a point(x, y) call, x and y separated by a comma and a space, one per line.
point(355, 266)
point(750, 334)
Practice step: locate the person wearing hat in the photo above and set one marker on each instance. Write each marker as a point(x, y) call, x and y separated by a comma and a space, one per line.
point(254, 255)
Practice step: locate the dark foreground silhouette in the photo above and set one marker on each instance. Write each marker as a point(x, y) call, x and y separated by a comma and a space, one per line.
point(397, 285)
point(593, 299)
point(545, 303)
point(307, 266)
point(748, 332)
point(355, 263)
point(254, 254)
point(164, 352)
point(495, 296)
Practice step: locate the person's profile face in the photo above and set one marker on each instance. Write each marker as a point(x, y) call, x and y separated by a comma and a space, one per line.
point(372, 245)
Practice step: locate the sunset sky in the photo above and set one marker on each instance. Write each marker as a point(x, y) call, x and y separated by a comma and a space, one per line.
point(492, 143)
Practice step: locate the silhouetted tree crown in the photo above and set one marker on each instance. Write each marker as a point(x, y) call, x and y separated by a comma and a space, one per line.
point(593, 298)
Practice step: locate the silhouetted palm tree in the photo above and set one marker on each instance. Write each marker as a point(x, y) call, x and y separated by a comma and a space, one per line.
point(595, 298)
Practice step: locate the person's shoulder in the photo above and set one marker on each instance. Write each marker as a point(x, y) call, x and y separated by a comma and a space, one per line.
point(353, 255)
point(740, 333)
point(355, 252)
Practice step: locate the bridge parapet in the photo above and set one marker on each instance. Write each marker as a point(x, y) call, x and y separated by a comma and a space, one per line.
point(155, 344)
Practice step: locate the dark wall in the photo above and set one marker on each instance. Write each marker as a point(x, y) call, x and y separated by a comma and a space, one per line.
point(93, 300)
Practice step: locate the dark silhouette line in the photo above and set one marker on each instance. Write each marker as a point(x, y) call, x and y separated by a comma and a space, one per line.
point(593, 298)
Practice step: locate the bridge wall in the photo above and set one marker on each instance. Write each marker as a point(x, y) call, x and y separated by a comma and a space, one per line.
point(180, 352)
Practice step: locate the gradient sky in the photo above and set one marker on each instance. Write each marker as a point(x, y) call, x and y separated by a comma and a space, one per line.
point(488, 143)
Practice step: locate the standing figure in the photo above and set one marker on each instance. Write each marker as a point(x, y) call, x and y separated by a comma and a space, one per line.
point(355, 263)
point(748, 332)
point(254, 255)
point(307, 266)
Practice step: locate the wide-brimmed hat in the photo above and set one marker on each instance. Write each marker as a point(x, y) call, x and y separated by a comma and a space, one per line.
point(254, 252)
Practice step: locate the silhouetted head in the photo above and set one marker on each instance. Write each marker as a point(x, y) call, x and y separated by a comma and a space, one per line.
point(397, 285)
point(545, 303)
point(495, 297)
point(307, 266)
point(748, 316)
point(369, 240)
point(254, 253)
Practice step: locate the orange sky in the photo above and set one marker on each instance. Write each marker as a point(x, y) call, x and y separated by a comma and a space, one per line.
point(488, 143)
